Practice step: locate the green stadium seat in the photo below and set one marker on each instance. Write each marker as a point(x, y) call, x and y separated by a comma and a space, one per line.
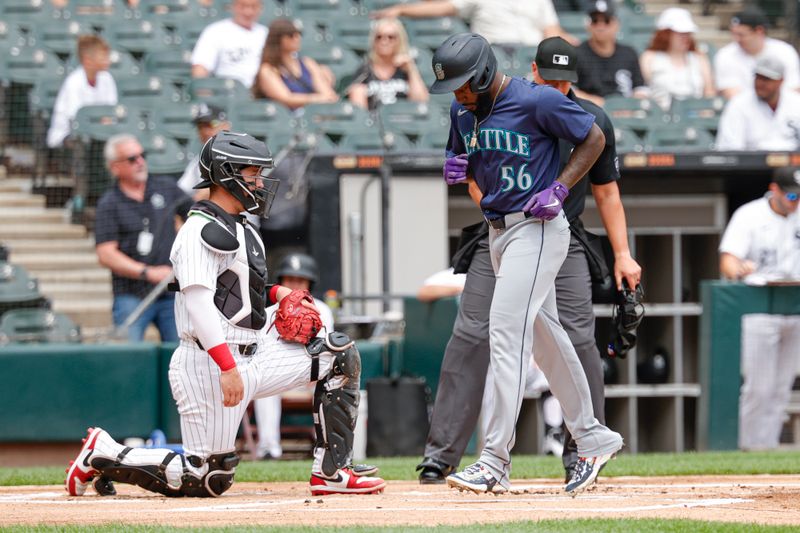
point(699, 112)
point(37, 326)
point(99, 14)
point(430, 33)
point(304, 142)
point(145, 91)
point(353, 33)
point(638, 42)
point(640, 24)
point(343, 62)
point(175, 120)
point(413, 118)
point(26, 13)
point(123, 64)
point(273, 9)
point(60, 37)
point(186, 35)
point(173, 64)
point(168, 13)
point(627, 141)
point(28, 64)
point(99, 122)
point(372, 140)
point(322, 9)
point(505, 57)
point(638, 114)
point(335, 119)
point(219, 91)
point(164, 154)
point(678, 138)
point(139, 37)
point(263, 119)
point(11, 35)
point(423, 58)
point(434, 141)
point(18, 289)
point(574, 22)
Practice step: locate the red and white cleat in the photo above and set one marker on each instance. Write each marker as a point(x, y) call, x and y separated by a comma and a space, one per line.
point(345, 482)
point(79, 471)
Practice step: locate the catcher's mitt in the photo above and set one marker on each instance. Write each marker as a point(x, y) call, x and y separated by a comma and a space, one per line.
point(294, 321)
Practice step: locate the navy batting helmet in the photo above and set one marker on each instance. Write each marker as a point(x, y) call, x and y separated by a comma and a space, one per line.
point(299, 265)
point(224, 156)
point(461, 58)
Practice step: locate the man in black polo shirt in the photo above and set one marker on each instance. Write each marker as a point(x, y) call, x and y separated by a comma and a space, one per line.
point(606, 67)
point(134, 231)
point(466, 358)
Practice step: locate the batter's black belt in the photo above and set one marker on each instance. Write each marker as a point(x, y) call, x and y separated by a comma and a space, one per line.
point(244, 349)
point(509, 220)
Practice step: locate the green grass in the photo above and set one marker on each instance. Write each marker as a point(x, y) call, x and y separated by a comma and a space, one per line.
point(527, 466)
point(545, 526)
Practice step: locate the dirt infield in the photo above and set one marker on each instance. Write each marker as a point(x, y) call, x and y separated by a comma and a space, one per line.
point(761, 499)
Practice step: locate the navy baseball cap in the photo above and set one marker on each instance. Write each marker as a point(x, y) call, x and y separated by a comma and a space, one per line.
point(788, 179)
point(557, 60)
point(604, 7)
point(751, 16)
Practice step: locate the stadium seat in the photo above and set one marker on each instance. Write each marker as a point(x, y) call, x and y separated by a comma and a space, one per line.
point(263, 119)
point(430, 33)
point(343, 62)
point(413, 118)
point(18, 289)
point(423, 58)
point(336, 119)
point(219, 91)
point(353, 33)
point(372, 139)
point(123, 64)
point(42, 99)
point(60, 37)
point(640, 24)
point(11, 35)
point(323, 10)
point(699, 112)
point(146, 91)
point(139, 37)
point(173, 64)
point(28, 64)
point(435, 141)
point(99, 14)
point(627, 141)
point(37, 326)
point(574, 22)
point(273, 9)
point(25, 13)
point(175, 120)
point(186, 35)
point(168, 13)
point(635, 113)
point(164, 154)
point(678, 138)
point(99, 122)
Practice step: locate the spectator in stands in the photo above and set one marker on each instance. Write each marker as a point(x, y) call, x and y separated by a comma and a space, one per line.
point(287, 77)
point(735, 62)
point(298, 272)
point(209, 120)
point(389, 73)
point(134, 234)
point(231, 48)
point(671, 65)
point(762, 244)
point(605, 66)
point(499, 21)
point(89, 84)
point(766, 118)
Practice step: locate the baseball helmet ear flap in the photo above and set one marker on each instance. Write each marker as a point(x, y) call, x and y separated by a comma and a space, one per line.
point(462, 58)
point(485, 71)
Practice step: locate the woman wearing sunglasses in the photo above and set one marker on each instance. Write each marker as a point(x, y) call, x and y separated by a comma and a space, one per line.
point(389, 73)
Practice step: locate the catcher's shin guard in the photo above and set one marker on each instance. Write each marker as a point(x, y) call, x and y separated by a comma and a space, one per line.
point(336, 399)
point(217, 480)
point(150, 477)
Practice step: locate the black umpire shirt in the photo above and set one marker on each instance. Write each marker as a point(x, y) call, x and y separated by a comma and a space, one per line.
point(604, 170)
point(120, 218)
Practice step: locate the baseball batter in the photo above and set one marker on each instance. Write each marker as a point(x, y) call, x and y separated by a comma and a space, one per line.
point(229, 354)
point(504, 135)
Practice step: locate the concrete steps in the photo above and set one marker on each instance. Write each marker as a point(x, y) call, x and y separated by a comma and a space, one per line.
point(45, 231)
point(35, 245)
point(20, 199)
point(97, 275)
point(29, 214)
point(52, 260)
point(68, 290)
point(85, 312)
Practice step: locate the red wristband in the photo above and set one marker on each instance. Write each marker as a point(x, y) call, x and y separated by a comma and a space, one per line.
point(273, 294)
point(221, 355)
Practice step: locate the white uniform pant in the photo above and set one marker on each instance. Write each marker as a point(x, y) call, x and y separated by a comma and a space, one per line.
point(207, 426)
point(524, 319)
point(770, 353)
point(268, 421)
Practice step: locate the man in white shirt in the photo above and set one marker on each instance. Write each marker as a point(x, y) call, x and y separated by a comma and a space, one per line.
point(89, 84)
point(499, 21)
point(766, 118)
point(761, 244)
point(734, 63)
point(231, 48)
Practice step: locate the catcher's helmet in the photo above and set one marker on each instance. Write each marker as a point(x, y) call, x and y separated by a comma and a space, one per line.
point(221, 161)
point(463, 57)
point(300, 265)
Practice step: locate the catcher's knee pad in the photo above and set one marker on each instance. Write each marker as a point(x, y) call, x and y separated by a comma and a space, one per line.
point(346, 359)
point(149, 477)
point(217, 479)
point(335, 415)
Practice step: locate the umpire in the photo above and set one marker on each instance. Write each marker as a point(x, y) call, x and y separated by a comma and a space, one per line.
point(466, 357)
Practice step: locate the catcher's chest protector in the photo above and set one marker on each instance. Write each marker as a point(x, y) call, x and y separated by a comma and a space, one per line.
point(240, 295)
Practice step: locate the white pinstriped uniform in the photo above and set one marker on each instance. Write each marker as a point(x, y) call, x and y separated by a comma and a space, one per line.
point(206, 425)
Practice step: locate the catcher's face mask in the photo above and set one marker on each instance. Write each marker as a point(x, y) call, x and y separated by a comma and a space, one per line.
point(251, 185)
point(628, 313)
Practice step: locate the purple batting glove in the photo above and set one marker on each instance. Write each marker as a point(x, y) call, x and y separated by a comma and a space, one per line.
point(546, 204)
point(455, 169)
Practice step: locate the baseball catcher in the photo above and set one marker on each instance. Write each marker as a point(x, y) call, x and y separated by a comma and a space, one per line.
point(228, 355)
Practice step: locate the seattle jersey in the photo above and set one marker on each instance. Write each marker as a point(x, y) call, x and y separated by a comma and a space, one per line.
point(517, 146)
